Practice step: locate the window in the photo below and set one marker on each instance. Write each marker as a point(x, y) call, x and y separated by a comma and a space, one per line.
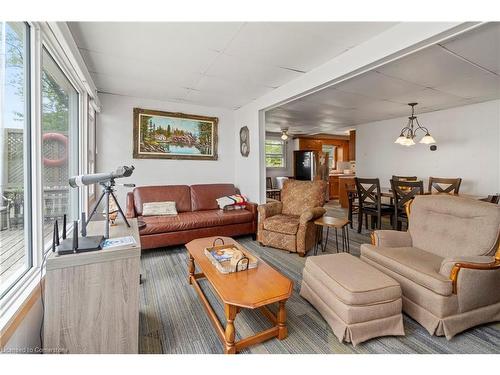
point(331, 155)
point(275, 154)
point(59, 145)
point(15, 168)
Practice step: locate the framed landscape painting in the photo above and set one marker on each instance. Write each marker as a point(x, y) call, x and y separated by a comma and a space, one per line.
point(168, 135)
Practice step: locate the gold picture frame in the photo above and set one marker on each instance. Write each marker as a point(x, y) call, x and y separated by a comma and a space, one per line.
point(172, 135)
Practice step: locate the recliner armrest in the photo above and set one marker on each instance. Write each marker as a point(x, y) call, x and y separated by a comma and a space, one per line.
point(269, 209)
point(311, 214)
point(391, 238)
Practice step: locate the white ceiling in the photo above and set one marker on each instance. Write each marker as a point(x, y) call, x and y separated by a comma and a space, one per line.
point(460, 71)
point(224, 64)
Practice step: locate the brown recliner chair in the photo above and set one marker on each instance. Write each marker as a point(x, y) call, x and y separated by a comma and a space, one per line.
point(289, 224)
point(448, 262)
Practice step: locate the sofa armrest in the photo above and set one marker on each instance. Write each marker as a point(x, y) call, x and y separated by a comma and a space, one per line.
point(252, 207)
point(451, 267)
point(311, 214)
point(269, 209)
point(130, 205)
point(391, 238)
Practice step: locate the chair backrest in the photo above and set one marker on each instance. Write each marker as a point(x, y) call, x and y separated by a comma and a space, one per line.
point(492, 199)
point(269, 183)
point(368, 190)
point(404, 192)
point(448, 225)
point(280, 181)
point(436, 183)
point(299, 196)
point(404, 178)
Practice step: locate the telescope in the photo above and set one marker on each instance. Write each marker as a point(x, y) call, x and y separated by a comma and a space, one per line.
point(107, 181)
point(99, 178)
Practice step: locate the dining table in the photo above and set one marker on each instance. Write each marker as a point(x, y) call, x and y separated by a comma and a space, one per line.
point(386, 192)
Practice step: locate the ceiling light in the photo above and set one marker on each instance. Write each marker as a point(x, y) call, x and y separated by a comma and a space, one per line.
point(409, 132)
point(284, 134)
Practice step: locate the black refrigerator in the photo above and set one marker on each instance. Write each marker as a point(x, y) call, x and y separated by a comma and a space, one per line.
point(311, 165)
point(305, 165)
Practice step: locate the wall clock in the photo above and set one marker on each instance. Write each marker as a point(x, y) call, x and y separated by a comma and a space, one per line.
point(244, 141)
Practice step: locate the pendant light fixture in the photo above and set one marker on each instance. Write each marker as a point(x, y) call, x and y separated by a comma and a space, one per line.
point(284, 134)
point(409, 132)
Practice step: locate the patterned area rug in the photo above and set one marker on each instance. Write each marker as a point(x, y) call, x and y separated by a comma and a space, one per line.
point(173, 319)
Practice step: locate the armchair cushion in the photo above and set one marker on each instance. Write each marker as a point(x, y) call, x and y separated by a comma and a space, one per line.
point(415, 264)
point(449, 225)
point(282, 224)
point(311, 214)
point(448, 263)
point(391, 238)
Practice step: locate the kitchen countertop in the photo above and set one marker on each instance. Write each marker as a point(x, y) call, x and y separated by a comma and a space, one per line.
point(342, 174)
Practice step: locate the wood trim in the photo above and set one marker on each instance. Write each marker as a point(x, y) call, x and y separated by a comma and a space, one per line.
point(372, 237)
point(20, 314)
point(473, 266)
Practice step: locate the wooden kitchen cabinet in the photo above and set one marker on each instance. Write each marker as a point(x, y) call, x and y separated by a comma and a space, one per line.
point(352, 145)
point(334, 187)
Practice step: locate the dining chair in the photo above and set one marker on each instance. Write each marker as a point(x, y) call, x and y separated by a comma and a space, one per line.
point(269, 182)
point(436, 184)
point(352, 199)
point(492, 198)
point(404, 178)
point(403, 193)
point(370, 202)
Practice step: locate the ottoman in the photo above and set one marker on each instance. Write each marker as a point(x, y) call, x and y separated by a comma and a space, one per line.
point(358, 301)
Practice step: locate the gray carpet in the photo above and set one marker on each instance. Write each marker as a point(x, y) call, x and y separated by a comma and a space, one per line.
point(173, 320)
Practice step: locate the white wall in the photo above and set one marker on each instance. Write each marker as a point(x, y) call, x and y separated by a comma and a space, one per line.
point(401, 39)
point(115, 145)
point(467, 146)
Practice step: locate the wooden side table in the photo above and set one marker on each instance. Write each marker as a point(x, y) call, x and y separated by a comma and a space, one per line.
point(336, 223)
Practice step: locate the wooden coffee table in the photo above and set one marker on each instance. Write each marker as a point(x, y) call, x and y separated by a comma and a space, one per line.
point(252, 289)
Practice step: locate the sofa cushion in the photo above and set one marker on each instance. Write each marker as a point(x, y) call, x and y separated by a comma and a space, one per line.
point(351, 280)
point(448, 225)
point(413, 263)
point(282, 224)
point(180, 194)
point(203, 197)
point(194, 220)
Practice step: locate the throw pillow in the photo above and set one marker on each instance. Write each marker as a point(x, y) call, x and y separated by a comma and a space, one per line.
point(159, 209)
point(232, 200)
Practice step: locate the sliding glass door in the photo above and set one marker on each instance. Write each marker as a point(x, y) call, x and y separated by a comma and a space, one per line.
point(15, 166)
point(60, 102)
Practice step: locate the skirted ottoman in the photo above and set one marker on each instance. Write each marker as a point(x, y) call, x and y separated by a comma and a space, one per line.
point(358, 301)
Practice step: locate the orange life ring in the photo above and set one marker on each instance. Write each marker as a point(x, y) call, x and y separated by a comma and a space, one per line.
point(59, 138)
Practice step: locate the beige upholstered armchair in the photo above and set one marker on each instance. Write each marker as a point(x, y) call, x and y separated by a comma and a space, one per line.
point(289, 224)
point(448, 263)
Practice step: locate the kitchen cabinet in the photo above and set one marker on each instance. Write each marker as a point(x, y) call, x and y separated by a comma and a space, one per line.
point(334, 187)
point(352, 145)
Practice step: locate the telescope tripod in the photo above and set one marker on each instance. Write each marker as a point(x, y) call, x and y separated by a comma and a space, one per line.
point(107, 193)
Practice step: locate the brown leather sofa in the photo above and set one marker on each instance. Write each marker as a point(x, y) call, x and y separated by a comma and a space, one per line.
point(198, 214)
